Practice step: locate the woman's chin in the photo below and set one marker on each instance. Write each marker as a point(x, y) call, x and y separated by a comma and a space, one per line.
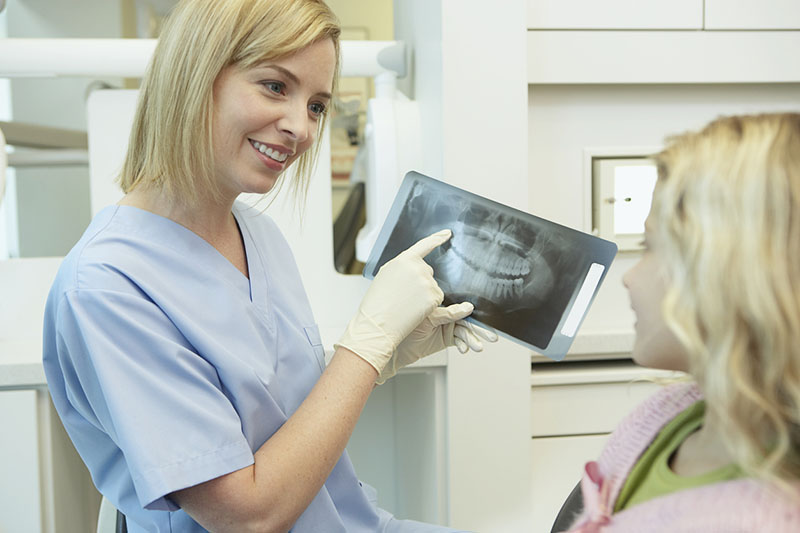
point(659, 352)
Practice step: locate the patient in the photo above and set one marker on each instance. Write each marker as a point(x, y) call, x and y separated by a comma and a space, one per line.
point(716, 294)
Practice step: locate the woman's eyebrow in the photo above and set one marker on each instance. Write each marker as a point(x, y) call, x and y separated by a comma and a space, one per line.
point(294, 79)
point(285, 72)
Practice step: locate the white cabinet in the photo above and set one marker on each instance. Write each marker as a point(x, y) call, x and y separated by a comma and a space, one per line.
point(19, 463)
point(557, 468)
point(662, 41)
point(752, 15)
point(663, 15)
point(571, 57)
point(399, 448)
point(44, 486)
point(588, 407)
point(573, 409)
point(615, 14)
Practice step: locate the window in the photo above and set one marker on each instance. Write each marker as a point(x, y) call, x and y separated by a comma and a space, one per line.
point(622, 189)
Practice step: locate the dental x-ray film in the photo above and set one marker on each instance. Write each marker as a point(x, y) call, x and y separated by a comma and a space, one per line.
point(531, 280)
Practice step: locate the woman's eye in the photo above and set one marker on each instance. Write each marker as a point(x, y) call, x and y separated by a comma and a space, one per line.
point(316, 109)
point(273, 86)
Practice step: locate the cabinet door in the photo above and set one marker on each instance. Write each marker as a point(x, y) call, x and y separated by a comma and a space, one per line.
point(752, 15)
point(44, 486)
point(584, 408)
point(557, 466)
point(615, 14)
point(20, 507)
point(403, 419)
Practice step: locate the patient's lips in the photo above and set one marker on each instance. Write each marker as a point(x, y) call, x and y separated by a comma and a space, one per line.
point(487, 261)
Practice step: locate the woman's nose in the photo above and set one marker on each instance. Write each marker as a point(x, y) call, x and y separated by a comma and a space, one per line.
point(626, 282)
point(295, 122)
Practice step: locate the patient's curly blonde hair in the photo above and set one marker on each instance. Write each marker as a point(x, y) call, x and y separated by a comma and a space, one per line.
point(727, 213)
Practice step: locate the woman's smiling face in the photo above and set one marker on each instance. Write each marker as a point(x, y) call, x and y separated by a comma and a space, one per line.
point(267, 116)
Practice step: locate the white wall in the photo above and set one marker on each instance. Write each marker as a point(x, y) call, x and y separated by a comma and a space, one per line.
point(566, 119)
point(53, 203)
point(470, 80)
point(43, 485)
point(18, 458)
point(419, 23)
point(484, 146)
point(374, 16)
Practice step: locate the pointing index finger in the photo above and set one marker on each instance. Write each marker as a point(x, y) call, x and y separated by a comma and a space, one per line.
point(425, 246)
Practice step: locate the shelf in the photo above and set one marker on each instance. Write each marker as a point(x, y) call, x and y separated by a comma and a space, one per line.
point(24, 284)
point(662, 57)
point(21, 364)
point(596, 372)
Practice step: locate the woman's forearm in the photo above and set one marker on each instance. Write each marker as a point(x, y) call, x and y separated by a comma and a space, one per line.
point(291, 467)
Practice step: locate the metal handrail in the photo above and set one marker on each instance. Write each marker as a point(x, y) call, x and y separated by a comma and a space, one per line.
point(58, 157)
point(36, 136)
point(128, 58)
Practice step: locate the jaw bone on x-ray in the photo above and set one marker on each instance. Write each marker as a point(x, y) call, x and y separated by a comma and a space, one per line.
point(520, 272)
point(491, 262)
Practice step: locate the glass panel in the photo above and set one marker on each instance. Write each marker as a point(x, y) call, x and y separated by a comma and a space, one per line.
point(633, 191)
point(360, 21)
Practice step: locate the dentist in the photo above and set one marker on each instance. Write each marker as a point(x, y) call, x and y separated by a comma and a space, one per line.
point(179, 346)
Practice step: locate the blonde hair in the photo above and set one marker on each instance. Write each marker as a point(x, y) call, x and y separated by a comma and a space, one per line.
point(727, 215)
point(171, 141)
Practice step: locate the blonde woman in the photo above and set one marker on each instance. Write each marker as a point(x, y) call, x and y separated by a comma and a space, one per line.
point(180, 349)
point(716, 294)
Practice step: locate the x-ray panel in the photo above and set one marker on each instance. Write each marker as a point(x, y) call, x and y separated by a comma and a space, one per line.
point(530, 279)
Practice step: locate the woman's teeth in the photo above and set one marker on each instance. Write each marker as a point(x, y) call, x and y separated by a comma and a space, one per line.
point(269, 152)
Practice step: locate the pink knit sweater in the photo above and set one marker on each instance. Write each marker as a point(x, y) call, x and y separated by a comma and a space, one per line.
point(737, 506)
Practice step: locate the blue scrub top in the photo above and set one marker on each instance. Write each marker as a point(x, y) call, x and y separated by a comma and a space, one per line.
point(169, 367)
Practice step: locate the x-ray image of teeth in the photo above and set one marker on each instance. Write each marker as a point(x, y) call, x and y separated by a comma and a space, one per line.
point(520, 272)
point(488, 265)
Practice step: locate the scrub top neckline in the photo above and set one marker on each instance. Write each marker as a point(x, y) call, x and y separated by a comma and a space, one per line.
point(252, 285)
point(258, 280)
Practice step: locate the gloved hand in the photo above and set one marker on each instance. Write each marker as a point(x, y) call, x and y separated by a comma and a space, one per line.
point(467, 336)
point(443, 327)
point(400, 297)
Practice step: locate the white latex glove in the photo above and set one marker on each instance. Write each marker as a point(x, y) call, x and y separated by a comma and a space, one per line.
point(443, 327)
point(467, 336)
point(400, 297)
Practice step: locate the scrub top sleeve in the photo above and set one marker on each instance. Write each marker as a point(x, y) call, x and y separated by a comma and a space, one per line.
point(134, 374)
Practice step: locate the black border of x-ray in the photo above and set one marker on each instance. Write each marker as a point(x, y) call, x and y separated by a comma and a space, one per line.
point(598, 251)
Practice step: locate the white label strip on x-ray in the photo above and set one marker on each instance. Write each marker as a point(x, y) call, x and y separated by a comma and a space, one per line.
point(582, 300)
